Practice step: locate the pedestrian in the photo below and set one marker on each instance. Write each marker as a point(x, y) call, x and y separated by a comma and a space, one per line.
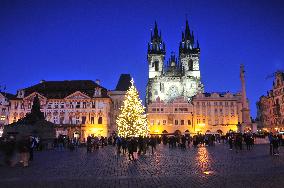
point(130, 149)
point(270, 138)
point(275, 144)
point(152, 144)
point(134, 148)
point(23, 148)
point(32, 143)
point(231, 142)
point(118, 144)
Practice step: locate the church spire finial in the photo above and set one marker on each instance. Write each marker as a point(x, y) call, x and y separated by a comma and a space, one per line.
point(156, 44)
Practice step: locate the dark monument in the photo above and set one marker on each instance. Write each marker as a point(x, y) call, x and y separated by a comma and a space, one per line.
point(33, 124)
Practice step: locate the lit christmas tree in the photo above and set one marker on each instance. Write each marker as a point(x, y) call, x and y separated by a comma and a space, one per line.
point(132, 120)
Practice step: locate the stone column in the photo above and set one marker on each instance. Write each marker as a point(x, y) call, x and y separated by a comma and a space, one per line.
point(246, 121)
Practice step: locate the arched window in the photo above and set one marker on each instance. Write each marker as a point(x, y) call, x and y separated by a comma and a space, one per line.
point(156, 65)
point(188, 122)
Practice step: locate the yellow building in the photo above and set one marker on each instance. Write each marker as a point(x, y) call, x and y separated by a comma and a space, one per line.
point(206, 112)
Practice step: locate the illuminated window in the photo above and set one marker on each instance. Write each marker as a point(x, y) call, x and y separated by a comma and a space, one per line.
point(3, 118)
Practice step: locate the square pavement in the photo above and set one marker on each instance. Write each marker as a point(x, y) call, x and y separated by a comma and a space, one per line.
point(195, 167)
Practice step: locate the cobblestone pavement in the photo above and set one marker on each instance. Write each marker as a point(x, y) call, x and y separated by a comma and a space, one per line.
point(195, 167)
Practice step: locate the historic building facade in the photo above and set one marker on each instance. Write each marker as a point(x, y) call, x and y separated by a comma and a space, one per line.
point(175, 98)
point(207, 112)
point(117, 96)
point(180, 76)
point(4, 109)
point(79, 107)
point(271, 107)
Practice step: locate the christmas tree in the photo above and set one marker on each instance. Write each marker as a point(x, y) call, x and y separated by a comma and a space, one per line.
point(132, 120)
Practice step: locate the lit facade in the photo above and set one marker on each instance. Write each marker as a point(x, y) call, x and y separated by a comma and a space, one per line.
point(207, 112)
point(4, 109)
point(175, 96)
point(180, 76)
point(79, 108)
point(271, 107)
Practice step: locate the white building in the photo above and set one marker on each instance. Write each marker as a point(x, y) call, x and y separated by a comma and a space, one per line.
point(179, 77)
point(175, 96)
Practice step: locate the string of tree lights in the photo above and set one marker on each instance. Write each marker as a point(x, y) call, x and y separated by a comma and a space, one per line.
point(132, 121)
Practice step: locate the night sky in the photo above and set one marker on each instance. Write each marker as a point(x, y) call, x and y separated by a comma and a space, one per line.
point(76, 40)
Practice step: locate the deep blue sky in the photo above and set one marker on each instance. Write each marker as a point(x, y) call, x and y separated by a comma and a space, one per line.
point(65, 40)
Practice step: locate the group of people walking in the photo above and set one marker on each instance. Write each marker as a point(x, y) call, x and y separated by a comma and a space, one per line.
point(94, 142)
point(21, 150)
point(136, 146)
point(274, 142)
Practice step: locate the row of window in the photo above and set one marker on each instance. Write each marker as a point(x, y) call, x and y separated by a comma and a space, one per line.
point(215, 103)
point(198, 110)
point(164, 122)
point(188, 122)
point(57, 105)
point(77, 120)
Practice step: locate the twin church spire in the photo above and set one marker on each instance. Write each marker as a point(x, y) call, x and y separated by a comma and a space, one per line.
point(180, 75)
point(187, 61)
point(187, 44)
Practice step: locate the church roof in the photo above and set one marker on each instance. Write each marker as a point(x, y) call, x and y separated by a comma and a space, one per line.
point(123, 83)
point(61, 89)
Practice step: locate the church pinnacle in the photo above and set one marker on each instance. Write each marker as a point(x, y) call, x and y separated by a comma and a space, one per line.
point(156, 46)
point(187, 40)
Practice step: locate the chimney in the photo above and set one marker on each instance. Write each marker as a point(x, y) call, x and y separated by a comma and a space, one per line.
point(98, 82)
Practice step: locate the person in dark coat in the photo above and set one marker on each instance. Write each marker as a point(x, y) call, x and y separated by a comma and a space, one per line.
point(130, 149)
point(153, 143)
point(134, 144)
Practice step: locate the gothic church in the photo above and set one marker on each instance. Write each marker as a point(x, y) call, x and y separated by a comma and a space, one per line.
point(179, 76)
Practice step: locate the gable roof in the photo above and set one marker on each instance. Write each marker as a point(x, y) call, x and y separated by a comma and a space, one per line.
point(62, 89)
point(8, 95)
point(123, 83)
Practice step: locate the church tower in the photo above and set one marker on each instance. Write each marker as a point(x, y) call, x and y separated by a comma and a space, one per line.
point(156, 54)
point(180, 77)
point(189, 53)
